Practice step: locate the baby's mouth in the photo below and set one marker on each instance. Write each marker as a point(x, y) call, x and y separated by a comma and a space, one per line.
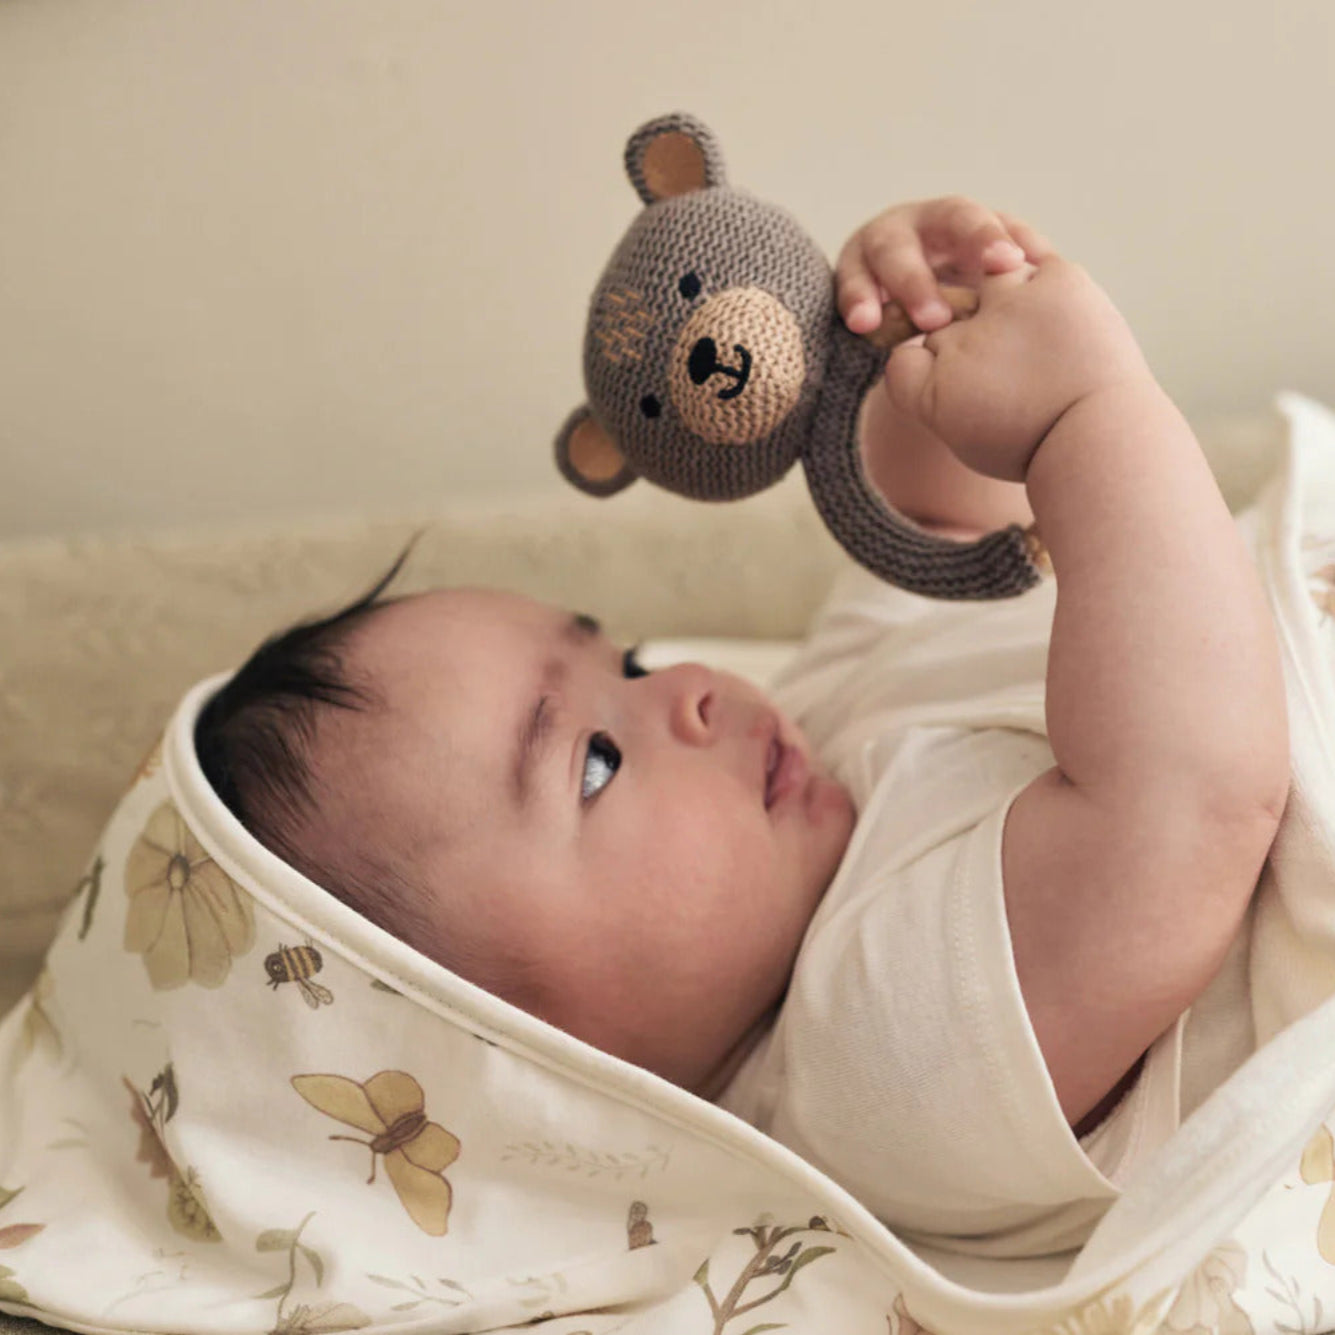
point(772, 762)
point(787, 771)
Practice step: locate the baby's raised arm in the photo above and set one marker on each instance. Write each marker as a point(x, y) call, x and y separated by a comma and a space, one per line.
point(1129, 865)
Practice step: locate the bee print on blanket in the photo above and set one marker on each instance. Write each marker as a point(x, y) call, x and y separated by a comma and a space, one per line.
point(390, 1108)
point(299, 965)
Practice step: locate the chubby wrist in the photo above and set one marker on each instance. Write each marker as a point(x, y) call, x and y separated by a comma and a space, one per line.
point(1136, 399)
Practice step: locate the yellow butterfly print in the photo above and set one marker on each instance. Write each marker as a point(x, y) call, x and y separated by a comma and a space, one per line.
point(390, 1107)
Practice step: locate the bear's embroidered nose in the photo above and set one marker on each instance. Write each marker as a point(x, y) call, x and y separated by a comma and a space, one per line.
point(704, 362)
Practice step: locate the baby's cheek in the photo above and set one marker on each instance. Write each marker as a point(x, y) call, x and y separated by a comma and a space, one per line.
point(719, 862)
point(766, 877)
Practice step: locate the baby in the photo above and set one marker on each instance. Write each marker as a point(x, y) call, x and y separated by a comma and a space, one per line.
point(636, 857)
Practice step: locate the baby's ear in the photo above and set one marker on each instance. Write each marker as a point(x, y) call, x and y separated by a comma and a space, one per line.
point(673, 155)
point(588, 457)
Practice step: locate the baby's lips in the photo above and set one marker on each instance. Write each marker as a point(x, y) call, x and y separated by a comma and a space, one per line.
point(786, 769)
point(773, 754)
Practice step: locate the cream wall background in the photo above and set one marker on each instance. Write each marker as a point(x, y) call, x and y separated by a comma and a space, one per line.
point(280, 257)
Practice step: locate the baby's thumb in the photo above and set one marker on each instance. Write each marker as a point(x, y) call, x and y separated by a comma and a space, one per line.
point(910, 378)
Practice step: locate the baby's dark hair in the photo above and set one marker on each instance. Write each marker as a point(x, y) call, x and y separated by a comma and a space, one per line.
point(254, 741)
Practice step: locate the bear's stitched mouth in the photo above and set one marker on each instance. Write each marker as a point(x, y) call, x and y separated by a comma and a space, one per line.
point(704, 362)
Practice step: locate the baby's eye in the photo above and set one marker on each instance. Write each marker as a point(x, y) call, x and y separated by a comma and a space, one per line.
point(631, 665)
point(600, 763)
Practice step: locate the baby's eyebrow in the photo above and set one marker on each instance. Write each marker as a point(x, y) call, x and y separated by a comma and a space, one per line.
point(582, 626)
point(533, 732)
point(536, 728)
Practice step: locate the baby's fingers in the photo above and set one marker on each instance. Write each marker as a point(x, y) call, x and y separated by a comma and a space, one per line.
point(859, 294)
point(892, 255)
point(967, 237)
point(910, 379)
point(1036, 245)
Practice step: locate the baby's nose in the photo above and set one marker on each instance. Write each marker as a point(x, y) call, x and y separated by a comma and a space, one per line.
point(692, 703)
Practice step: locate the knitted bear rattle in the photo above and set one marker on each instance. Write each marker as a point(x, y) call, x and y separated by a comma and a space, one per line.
point(715, 357)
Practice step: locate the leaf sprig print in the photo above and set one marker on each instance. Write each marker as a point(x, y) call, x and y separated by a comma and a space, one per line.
point(765, 1264)
point(420, 1292)
point(304, 1318)
point(572, 1158)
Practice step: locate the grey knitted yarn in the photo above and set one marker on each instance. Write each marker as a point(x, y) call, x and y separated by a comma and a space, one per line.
point(715, 358)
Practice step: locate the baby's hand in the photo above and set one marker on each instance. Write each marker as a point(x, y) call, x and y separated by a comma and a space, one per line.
point(902, 253)
point(1043, 339)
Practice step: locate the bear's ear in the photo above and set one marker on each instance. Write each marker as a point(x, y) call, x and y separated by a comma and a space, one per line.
point(589, 458)
point(673, 155)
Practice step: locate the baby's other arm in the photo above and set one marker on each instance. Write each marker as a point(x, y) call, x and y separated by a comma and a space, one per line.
point(1129, 865)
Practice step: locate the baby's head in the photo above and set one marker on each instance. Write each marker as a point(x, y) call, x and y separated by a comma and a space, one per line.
point(492, 780)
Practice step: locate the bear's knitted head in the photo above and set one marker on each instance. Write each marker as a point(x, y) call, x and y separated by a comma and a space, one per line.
point(707, 335)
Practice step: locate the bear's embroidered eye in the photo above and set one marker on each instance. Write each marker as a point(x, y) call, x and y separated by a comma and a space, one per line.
point(689, 287)
point(650, 406)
